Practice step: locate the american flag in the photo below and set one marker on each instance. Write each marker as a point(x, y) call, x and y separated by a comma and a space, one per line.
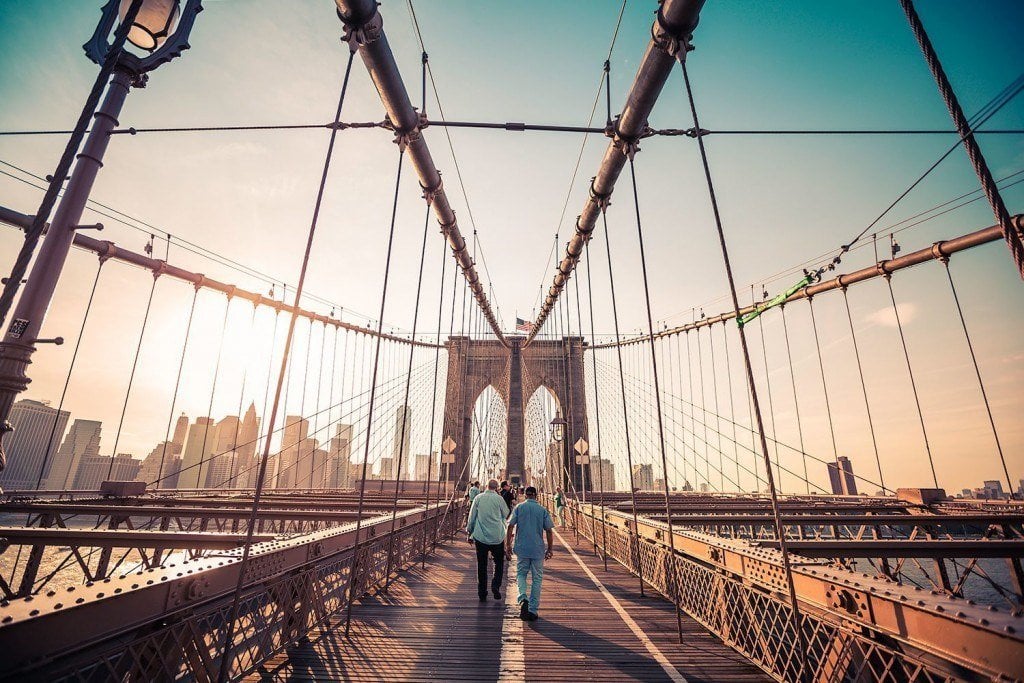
point(523, 325)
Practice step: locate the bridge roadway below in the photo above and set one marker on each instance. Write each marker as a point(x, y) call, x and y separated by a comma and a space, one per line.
point(432, 627)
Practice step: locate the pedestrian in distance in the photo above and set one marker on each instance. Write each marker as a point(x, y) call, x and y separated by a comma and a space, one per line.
point(486, 529)
point(560, 506)
point(529, 523)
point(474, 491)
point(508, 494)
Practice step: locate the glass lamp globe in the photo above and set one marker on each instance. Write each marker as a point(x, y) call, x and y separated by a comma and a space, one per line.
point(155, 21)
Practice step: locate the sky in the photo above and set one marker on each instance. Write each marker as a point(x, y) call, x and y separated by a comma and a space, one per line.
point(785, 200)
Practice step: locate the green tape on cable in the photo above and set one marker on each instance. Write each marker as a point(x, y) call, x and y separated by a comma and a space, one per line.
point(775, 301)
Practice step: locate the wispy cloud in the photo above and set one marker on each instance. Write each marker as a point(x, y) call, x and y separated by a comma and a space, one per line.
point(887, 318)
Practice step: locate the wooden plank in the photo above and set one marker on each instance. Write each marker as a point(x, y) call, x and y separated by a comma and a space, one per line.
point(432, 627)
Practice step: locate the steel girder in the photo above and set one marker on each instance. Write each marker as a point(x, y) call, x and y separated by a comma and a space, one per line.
point(670, 36)
point(364, 25)
point(161, 623)
point(859, 627)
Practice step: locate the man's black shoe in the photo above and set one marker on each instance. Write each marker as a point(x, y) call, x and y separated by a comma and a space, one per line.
point(531, 616)
point(483, 597)
point(524, 610)
point(497, 594)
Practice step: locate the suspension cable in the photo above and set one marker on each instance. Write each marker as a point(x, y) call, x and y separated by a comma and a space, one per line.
point(373, 389)
point(404, 407)
point(67, 382)
point(913, 382)
point(1012, 235)
point(131, 375)
point(776, 512)
point(863, 388)
point(657, 396)
point(261, 475)
point(796, 400)
point(635, 547)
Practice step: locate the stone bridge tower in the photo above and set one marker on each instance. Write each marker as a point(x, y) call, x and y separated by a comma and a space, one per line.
point(515, 372)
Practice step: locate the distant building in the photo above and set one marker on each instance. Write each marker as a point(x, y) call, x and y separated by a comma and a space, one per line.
point(195, 456)
point(296, 431)
point(403, 428)
point(339, 458)
point(602, 472)
point(167, 453)
point(38, 429)
point(94, 470)
point(659, 484)
point(423, 467)
point(643, 477)
point(387, 468)
point(841, 477)
point(82, 439)
point(994, 489)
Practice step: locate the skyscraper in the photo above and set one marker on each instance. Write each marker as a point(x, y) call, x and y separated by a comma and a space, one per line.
point(340, 455)
point(400, 449)
point(82, 439)
point(296, 431)
point(180, 431)
point(841, 477)
point(198, 446)
point(423, 467)
point(643, 477)
point(165, 452)
point(95, 469)
point(31, 444)
point(222, 452)
point(602, 475)
point(387, 468)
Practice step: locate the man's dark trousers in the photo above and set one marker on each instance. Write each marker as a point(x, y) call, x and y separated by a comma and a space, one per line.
point(498, 551)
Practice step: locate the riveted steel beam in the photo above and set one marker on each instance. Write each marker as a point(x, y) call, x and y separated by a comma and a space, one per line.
point(670, 37)
point(365, 29)
point(107, 250)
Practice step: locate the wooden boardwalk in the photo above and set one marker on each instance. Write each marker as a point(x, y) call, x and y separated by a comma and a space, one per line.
point(432, 627)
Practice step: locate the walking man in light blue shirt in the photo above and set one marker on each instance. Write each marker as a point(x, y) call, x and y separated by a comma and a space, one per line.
point(486, 528)
point(529, 522)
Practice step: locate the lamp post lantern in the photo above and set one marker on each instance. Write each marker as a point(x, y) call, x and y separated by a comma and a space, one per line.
point(160, 29)
point(558, 434)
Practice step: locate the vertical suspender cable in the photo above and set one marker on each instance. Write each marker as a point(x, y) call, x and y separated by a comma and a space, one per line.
point(213, 392)
point(913, 382)
point(977, 373)
point(131, 376)
point(433, 402)
point(796, 401)
point(803, 673)
point(863, 388)
point(352, 582)
point(824, 386)
point(404, 407)
point(177, 384)
point(225, 663)
point(597, 410)
point(67, 381)
point(671, 575)
point(635, 536)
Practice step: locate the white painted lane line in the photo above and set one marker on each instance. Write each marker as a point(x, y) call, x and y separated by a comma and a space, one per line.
point(512, 666)
point(670, 670)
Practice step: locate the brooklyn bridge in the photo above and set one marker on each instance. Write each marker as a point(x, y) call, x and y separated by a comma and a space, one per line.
point(768, 386)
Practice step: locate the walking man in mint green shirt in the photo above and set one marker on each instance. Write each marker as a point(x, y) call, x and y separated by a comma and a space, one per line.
point(529, 523)
point(486, 529)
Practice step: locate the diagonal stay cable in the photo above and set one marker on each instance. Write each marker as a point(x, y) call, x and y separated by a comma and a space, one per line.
point(229, 629)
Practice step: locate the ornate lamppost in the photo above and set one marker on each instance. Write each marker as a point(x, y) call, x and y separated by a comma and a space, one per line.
point(558, 434)
point(159, 30)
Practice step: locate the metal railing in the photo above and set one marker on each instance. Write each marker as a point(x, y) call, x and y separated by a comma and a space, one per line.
point(169, 623)
point(857, 628)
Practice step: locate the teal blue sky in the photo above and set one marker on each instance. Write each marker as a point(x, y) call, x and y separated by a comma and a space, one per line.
point(786, 201)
